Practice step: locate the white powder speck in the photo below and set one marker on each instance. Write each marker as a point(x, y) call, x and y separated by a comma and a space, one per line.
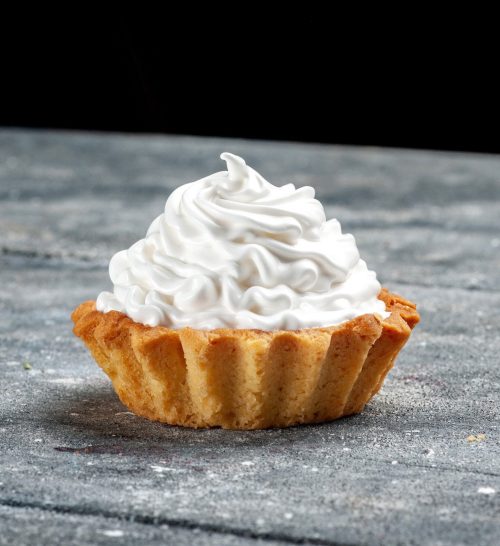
point(67, 380)
point(113, 533)
point(314, 469)
point(158, 468)
point(38, 440)
point(346, 449)
point(486, 491)
point(288, 515)
point(394, 462)
point(247, 463)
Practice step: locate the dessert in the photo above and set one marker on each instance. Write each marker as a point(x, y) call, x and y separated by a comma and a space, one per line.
point(243, 307)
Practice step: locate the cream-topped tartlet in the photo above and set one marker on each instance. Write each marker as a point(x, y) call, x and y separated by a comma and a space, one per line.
point(243, 307)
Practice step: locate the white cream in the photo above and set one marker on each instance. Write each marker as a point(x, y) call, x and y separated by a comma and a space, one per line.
point(233, 251)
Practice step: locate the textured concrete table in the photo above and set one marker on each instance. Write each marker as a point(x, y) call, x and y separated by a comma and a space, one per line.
point(420, 466)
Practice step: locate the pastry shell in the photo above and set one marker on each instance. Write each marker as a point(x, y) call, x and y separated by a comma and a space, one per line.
point(246, 379)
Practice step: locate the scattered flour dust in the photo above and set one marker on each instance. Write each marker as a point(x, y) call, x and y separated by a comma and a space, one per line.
point(67, 380)
point(486, 491)
point(113, 533)
point(159, 469)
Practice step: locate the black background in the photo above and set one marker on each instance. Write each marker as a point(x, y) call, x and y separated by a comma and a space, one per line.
point(397, 79)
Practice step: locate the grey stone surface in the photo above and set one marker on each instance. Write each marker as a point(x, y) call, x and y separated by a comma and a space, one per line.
point(20, 524)
point(75, 465)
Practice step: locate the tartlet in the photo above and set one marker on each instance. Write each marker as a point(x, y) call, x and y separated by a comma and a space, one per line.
point(246, 379)
point(244, 307)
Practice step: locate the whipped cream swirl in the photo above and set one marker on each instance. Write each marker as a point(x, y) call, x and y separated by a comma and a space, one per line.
point(233, 251)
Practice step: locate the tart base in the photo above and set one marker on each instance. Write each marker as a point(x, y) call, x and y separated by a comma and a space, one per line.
point(246, 379)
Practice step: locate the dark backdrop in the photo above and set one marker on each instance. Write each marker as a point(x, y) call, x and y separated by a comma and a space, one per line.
point(294, 75)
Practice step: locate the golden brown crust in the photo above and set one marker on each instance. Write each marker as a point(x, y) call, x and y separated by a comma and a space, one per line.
point(246, 379)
